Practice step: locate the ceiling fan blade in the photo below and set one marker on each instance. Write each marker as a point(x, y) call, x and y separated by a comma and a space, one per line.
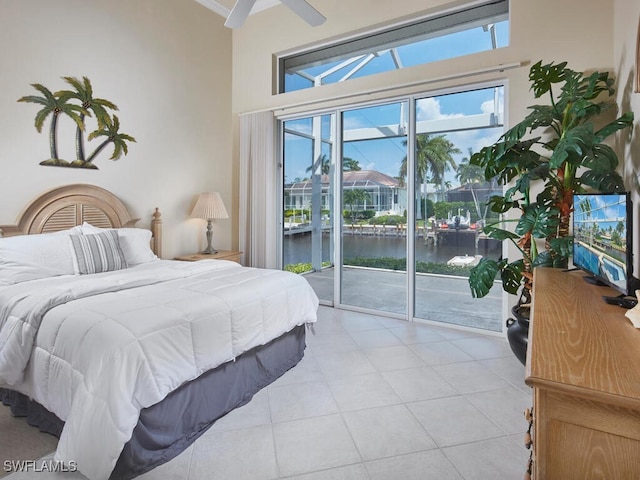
point(239, 13)
point(305, 11)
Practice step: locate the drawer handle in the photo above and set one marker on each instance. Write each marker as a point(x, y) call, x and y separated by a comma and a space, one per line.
point(528, 472)
point(528, 440)
point(528, 415)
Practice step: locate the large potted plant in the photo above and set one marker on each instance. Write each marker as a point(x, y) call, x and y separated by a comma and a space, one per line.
point(557, 150)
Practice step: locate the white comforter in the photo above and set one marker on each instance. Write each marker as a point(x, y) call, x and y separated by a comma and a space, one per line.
point(96, 349)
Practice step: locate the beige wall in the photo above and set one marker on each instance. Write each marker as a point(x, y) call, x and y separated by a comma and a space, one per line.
point(165, 63)
point(626, 19)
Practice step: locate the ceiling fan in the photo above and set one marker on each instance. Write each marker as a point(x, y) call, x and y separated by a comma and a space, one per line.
point(241, 10)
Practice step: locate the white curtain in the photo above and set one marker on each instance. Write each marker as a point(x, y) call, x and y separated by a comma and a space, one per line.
point(258, 195)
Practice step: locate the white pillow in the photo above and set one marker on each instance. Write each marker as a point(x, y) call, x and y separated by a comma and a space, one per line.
point(98, 252)
point(12, 272)
point(134, 242)
point(49, 251)
point(77, 230)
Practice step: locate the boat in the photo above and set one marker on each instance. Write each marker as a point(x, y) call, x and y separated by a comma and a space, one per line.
point(459, 221)
point(465, 261)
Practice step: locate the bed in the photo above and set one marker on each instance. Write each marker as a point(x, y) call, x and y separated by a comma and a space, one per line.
point(125, 357)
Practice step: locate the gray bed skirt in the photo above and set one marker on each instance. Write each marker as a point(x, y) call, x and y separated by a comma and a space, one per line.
point(166, 429)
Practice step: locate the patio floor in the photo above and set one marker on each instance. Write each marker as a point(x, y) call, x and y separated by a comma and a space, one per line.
point(439, 298)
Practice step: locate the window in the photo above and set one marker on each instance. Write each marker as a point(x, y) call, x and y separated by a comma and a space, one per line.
point(475, 28)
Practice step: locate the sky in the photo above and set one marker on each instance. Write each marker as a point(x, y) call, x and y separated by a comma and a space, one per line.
point(606, 210)
point(441, 47)
point(386, 154)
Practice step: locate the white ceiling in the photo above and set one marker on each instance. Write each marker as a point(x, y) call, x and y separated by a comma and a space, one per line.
point(223, 7)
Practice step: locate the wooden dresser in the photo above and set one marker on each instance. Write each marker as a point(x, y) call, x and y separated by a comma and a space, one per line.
point(583, 362)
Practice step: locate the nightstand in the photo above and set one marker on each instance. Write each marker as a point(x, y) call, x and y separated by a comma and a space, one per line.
point(232, 255)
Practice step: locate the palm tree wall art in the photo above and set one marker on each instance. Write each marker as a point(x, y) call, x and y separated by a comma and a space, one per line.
point(78, 104)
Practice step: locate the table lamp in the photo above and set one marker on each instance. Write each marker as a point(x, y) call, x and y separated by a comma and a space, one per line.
point(209, 206)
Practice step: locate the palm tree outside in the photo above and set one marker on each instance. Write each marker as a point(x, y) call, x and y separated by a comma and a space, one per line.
point(325, 165)
point(437, 153)
point(353, 198)
point(434, 157)
point(348, 165)
point(472, 175)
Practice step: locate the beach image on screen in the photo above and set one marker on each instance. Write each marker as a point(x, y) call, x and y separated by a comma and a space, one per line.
point(600, 237)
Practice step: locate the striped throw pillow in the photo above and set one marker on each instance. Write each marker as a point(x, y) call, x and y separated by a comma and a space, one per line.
point(99, 252)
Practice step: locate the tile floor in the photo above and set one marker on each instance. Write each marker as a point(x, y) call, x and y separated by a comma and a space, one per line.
point(374, 398)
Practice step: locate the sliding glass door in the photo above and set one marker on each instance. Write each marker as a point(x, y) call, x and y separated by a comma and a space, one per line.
point(450, 199)
point(383, 211)
point(308, 166)
point(374, 208)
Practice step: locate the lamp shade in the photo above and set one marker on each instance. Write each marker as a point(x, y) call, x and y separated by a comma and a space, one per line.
point(208, 206)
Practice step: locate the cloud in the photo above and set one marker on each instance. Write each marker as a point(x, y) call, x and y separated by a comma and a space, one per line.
point(353, 123)
point(489, 105)
point(369, 166)
point(487, 137)
point(429, 109)
point(304, 128)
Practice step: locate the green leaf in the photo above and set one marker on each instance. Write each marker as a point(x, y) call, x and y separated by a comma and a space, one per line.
point(515, 133)
point(596, 83)
point(571, 87)
point(601, 157)
point(33, 99)
point(547, 197)
point(608, 182)
point(543, 259)
point(560, 262)
point(543, 76)
point(522, 184)
point(507, 160)
point(540, 172)
point(482, 276)
point(620, 123)
point(577, 140)
point(562, 246)
point(540, 116)
point(538, 220)
point(499, 233)
point(41, 116)
point(583, 109)
point(509, 201)
point(489, 157)
point(512, 276)
point(500, 204)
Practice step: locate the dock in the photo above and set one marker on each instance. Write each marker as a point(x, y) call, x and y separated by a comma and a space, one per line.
point(470, 237)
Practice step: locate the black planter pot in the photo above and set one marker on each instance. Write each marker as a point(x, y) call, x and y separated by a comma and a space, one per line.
point(518, 332)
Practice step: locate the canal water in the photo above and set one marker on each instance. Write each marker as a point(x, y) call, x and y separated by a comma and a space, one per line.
point(297, 248)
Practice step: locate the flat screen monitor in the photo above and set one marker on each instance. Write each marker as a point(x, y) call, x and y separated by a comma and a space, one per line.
point(602, 237)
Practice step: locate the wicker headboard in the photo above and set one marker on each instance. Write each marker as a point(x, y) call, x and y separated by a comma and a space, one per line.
point(71, 205)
